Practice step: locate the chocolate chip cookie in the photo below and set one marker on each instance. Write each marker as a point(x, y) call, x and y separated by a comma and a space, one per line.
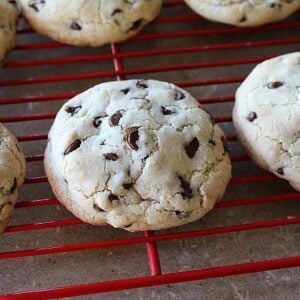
point(8, 21)
point(12, 173)
point(244, 13)
point(137, 154)
point(90, 22)
point(267, 116)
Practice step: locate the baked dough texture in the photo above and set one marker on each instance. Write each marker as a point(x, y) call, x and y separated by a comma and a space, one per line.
point(90, 22)
point(137, 154)
point(266, 116)
point(244, 13)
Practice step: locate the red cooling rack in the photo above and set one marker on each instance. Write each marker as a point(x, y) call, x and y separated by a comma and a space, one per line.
point(117, 55)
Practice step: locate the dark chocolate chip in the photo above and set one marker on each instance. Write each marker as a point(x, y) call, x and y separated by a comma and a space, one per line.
point(115, 118)
point(179, 95)
point(127, 186)
point(212, 142)
point(251, 116)
point(132, 136)
point(275, 84)
point(135, 25)
point(192, 147)
point(141, 84)
point(75, 145)
point(225, 144)
point(125, 91)
point(187, 191)
point(95, 206)
point(280, 171)
point(276, 5)
point(13, 2)
point(243, 19)
point(111, 156)
point(113, 197)
point(181, 214)
point(165, 111)
point(97, 121)
point(102, 143)
point(75, 25)
point(145, 158)
point(116, 11)
point(36, 5)
point(14, 186)
point(73, 110)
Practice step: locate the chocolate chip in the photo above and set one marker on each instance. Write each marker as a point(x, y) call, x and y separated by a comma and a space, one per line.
point(179, 95)
point(251, 116)
point(275, 84)
point(116, 11)
point(192, 147)
point(97, 121)
point(165, 111)
point(75, 25)
point(141, 84)
point(102, 143)
point(75, 145)
point(36, 5)
point(276, 5)
point(243, 19)
point(125, 91)
point(115, 118)
point(14, 186)
point(73, 110)
point(145, 158)
point(135, 25)
point(280, 171)
point(111, 156)
point(127, 186)
point(212, 142)
point(181, 214)
point(13, 2)
point(187, 191)
point(113, 197)
point(225, 144)
point(132, 136)
point(95, 206)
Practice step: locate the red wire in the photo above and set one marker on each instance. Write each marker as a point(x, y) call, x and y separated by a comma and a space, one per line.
point(150, 239)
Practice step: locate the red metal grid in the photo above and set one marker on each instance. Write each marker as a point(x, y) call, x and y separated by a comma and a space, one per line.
point(150, 239)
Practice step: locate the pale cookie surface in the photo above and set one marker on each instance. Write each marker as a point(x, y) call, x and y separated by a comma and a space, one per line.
point(137, 154)
point(8, 20)
point(90, 22)
point(267, 116)
point(244, 13)
point(12, 172)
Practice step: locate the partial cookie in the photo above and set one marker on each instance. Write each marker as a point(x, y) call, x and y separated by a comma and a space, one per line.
point(8, 21)
point(137, 154)
point(90, 22)
point(244, 13)
point(267, 116)
point(12, 173)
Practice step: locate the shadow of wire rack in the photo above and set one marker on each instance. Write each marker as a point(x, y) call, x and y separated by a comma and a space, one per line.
point(47, 253)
